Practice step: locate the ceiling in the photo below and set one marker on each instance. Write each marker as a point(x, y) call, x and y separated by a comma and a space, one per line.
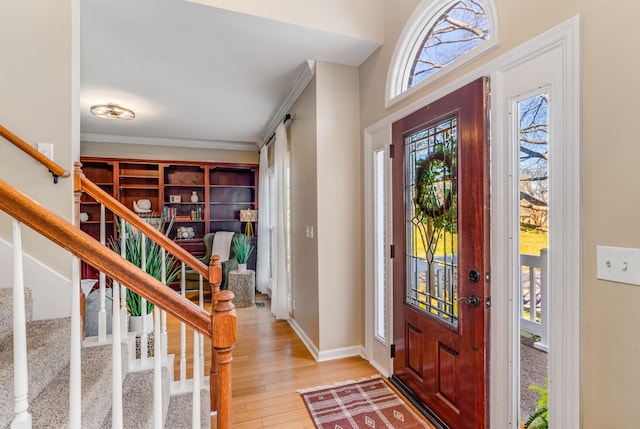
point(195, 75)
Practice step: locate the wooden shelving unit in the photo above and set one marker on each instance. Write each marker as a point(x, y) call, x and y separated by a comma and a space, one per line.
point(222, 190)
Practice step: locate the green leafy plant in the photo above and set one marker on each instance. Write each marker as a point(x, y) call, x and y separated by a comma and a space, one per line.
point(540, 418)
point(133, 253)
point(242, 248)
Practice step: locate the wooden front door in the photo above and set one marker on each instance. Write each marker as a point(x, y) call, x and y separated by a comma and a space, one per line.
point(441, 258)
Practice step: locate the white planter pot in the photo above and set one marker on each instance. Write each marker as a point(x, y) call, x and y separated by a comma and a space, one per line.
point(242, 267)
point(135, 324)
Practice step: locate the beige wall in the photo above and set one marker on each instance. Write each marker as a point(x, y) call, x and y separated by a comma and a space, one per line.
point(361, 19)
point(339, 209)
point(38, 102)
point(610, 151)
point(119, 150)
point(304, 207)
point(326, 183)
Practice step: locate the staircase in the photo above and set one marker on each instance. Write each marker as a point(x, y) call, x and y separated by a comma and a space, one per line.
point(48, 352)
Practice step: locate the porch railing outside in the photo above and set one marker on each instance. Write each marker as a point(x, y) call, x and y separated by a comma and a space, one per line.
point(534, 308)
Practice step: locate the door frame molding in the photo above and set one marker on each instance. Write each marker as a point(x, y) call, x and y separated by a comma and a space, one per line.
point(565, 365)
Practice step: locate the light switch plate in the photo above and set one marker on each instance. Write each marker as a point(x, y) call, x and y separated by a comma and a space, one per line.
point(46, 149)
point(618, 264)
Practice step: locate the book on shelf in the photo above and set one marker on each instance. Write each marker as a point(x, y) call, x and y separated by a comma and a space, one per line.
point(197, 214)
point(169, 213)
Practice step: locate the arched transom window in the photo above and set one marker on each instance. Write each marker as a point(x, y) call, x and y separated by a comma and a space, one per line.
point(440, 36)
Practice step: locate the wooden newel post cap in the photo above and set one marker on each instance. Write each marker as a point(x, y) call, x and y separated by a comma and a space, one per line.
point(215, 270)
point(224, 303)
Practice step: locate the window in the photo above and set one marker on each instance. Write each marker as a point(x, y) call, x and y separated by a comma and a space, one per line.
point(440, 36)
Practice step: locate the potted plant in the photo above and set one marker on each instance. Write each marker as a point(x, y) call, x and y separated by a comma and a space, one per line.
point(540, 418)
point(133, 253)
point(242, 249)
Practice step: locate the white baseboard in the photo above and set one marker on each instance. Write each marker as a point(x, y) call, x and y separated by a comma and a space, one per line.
point(305, 339)
point(325, 355)
point(51, 292)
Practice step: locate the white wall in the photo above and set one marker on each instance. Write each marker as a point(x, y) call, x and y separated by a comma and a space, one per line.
point(49, 290)
point(39, 97)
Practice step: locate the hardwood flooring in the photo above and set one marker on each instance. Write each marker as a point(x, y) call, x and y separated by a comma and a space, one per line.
point(270, 364)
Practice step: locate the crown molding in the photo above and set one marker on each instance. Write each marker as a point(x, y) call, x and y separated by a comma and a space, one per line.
point(158, 141)
point(307, 71)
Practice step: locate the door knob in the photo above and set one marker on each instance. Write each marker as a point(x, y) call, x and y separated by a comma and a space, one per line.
point(472, 300)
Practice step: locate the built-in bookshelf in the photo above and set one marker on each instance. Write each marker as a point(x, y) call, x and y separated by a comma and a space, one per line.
point(199, 197)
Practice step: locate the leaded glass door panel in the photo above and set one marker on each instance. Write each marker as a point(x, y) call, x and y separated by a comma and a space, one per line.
point(441, 215)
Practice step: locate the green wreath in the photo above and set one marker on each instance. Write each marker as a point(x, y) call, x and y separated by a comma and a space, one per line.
point(438, 164)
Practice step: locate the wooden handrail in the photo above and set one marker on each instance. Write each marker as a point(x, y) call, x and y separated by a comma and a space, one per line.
point(54, 168)
point(82, 245)
point(121, 210)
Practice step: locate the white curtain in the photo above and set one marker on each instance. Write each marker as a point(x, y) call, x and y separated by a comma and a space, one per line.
point(280, 287)
point(263, 276)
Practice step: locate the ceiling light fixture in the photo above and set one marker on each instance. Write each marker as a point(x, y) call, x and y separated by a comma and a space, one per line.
point(112, 111)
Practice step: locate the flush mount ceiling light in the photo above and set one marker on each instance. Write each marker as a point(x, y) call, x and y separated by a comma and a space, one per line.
point(112, 111)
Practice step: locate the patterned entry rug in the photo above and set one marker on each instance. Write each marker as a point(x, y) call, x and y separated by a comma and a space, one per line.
point(363, 404)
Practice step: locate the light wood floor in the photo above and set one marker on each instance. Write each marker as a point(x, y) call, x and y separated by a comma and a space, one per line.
point(270, 364)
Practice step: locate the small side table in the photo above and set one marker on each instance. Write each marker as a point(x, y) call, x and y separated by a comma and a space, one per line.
point(243, 286)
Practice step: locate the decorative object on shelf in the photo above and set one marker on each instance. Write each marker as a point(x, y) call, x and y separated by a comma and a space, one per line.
point(242, 249)
point(248, 216)
point(142, 206)
point(133, 254)
point(174, 199)
point(84, 217)
point(112, 111)
point(194, 197)
point(185, 232)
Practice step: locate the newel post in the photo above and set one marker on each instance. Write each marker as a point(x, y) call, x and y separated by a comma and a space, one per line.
point(215, 279)
point(223, 343)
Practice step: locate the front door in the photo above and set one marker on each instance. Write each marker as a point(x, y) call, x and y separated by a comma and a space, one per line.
point(441, 258)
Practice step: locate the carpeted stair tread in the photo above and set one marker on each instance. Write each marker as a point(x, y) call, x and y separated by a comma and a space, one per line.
point(51, 408)
point(180, 409)
point(48, 354)
point(137, 400)
point(6, 309)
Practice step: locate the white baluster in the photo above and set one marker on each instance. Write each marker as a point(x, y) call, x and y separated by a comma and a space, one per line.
point(157, 371)
point(195, 411)
point(157, 355)
point(102, 313)
point(183, 333)
point(200, 336)
point(124, 326)
point(116, 370)
point(543, 344)
point(22, 418)
point(163, 314)
point(165, 335)
point(75, 359)
point(143, 307)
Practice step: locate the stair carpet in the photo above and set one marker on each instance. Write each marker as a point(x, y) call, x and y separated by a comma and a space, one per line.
point(48, 366)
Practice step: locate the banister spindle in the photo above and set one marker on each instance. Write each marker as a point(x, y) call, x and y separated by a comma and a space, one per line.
point(22, 418)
